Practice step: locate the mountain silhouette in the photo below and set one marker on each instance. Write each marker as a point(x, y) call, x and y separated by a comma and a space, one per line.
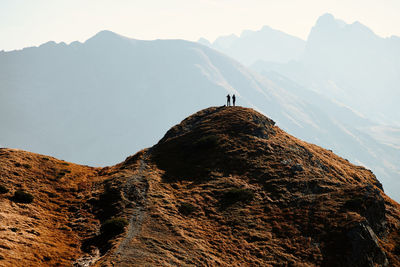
point(351, 64)
point(96, 102)
point(266, 44)
point(226, 186)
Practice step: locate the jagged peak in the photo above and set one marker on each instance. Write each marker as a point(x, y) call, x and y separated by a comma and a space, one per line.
point(51, 44)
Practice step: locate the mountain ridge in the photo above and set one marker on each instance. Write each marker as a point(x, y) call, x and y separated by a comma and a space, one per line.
point(267, 43)
point(350, 64)
point(225, 186)
point(115, 88)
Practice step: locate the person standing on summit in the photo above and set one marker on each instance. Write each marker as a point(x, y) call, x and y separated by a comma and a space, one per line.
point(233, 99)
point(228, 100)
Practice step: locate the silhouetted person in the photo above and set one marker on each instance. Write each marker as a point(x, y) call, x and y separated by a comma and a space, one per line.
point(228, 100)
point(233, 100)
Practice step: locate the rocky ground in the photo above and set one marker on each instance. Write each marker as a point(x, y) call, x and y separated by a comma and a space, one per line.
point(224, 187)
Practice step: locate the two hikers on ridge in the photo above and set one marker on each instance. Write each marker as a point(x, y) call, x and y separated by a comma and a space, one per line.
point(228, 100)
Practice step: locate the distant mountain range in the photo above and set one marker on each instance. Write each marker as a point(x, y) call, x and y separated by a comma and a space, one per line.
point(345, 62)
point(351, 64)
point(97, 102)
point(266, 44)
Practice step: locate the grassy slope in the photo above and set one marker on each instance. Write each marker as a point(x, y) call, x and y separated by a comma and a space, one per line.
point(303, 200)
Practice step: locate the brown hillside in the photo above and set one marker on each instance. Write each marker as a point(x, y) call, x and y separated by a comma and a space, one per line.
point(224, 187)
point(47, 231)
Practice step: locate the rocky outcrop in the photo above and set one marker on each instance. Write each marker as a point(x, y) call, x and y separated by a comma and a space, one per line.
point(365, 249)
point(224, 187)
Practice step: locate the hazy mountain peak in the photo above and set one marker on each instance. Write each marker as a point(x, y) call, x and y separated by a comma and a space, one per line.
point(106, 35)
point(263, 31)
point(266, 43)
point(329, 31)
point(75, 44)
point(49, 44)
point(328, 20)
point(266, 28)
point(361, 28)
point(327, 17)
point(225, 41)
point(204, 41)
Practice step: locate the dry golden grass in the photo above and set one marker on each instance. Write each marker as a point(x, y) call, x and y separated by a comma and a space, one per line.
point(43, 232)
point(255, 194)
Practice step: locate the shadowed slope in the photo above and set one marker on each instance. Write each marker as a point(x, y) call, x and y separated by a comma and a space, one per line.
point(224, 187)
point(228, 187)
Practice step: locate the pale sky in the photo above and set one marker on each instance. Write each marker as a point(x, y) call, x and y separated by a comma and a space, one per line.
point(33, 22)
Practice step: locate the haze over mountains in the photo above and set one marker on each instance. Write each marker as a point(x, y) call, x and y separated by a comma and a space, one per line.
point(99, 101)
point(266, 44)
point(347, 63)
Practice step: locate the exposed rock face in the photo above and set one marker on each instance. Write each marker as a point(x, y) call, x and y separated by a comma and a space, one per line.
point(228, 187)
point(365, 249)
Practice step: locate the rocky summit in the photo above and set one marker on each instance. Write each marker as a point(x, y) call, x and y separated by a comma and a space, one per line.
point(224, 187)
